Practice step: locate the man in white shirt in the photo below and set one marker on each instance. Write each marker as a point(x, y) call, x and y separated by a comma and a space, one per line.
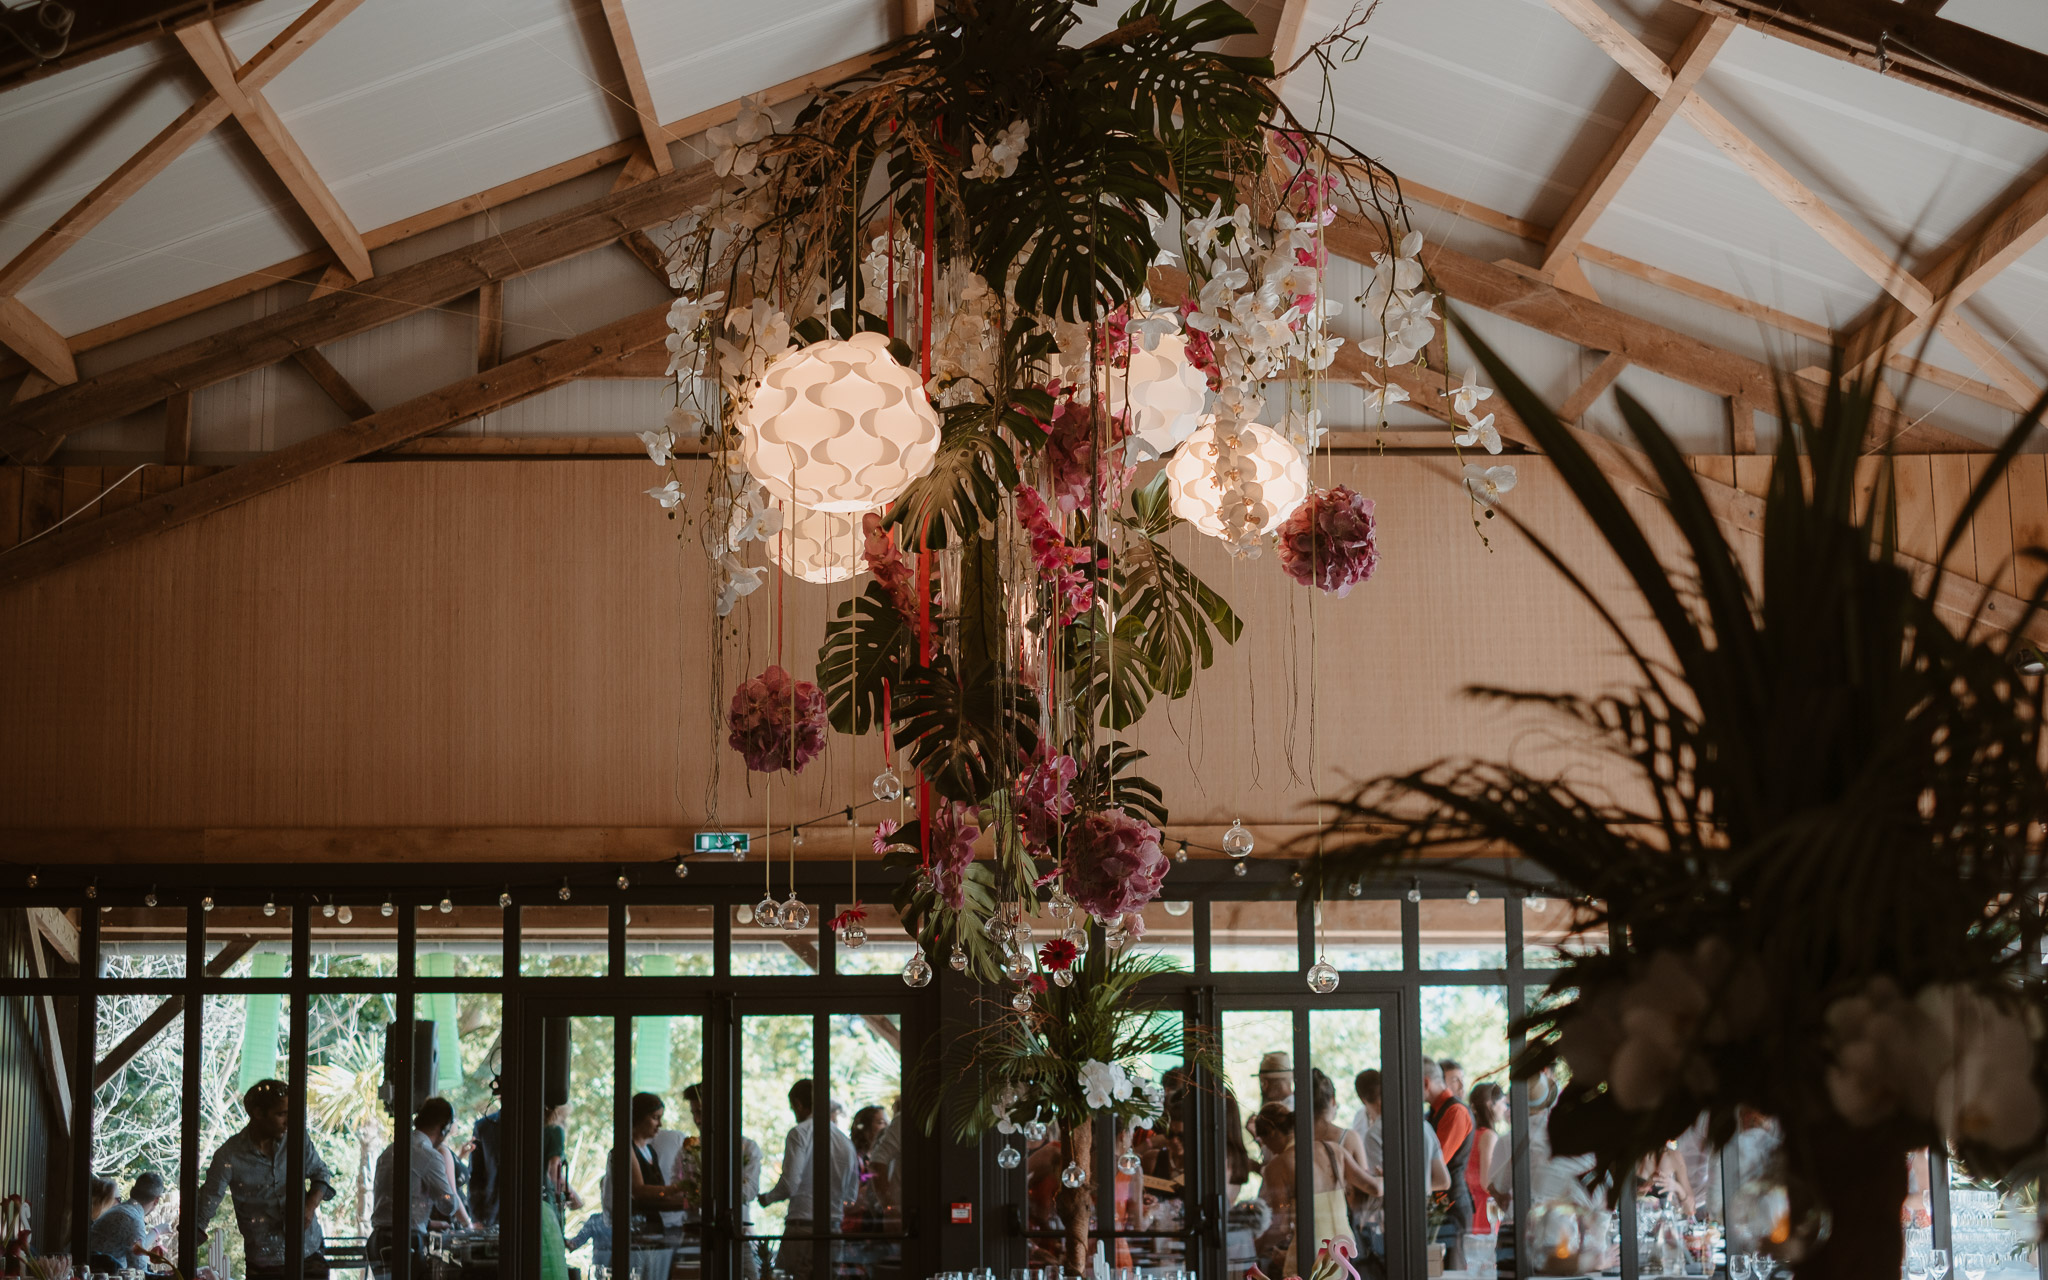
point(688, 1169)
point(431, 1191)
point(795, 1185)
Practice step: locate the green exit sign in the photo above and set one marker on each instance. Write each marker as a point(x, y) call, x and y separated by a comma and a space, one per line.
point(730, 842)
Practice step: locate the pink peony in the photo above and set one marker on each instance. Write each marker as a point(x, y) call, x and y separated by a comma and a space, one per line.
point(886, 562)
point(1113, 863)
point(762, 709)
point(1057, 562)
point(1328, 541)
point(1043, 797)
point(1076, 465)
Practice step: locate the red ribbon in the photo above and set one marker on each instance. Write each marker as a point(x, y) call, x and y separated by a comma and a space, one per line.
point(924, 555)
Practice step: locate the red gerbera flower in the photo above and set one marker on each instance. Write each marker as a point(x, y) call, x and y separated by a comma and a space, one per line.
point(848, 916)
point(1058, 954)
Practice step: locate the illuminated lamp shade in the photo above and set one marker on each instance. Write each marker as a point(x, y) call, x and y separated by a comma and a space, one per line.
point(1238, 486)
point(839, 426)
point(1165, 393)
point(820, 546)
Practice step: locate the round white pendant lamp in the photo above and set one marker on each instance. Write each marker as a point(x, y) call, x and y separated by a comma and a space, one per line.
point(820, 546)
point(839, 426)
point(1247, 476)
point(1165, 394)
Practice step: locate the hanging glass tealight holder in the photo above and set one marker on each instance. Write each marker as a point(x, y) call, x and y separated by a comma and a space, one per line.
point(795, 915)
point(1127, 1162)
point(958, 958)
point(1073, 1176)
point(1018, 965)
point(854, 936)
point(888, 788)
point(918, 972)
point(1021, 1002)
point(1238, 842)
point(768, 912)
point(1063, 977)
point(1009, 1157)
point(1322, 977)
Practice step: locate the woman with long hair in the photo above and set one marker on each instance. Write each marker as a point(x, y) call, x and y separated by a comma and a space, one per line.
point(1489, 1104)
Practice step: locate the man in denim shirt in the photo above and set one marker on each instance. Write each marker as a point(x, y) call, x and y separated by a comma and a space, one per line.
point(251, 1164)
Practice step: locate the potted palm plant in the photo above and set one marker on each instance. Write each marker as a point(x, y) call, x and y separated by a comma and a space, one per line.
point(1821, 875)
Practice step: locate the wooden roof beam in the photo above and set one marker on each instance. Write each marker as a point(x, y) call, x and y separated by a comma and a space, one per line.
point(209, 52)
point(1906, 42)
point(459, 401)
point(638, 95)
point(1639, 61)
point(194, 123)
point(1634, 141)
point(39, 344)
point(380, 300)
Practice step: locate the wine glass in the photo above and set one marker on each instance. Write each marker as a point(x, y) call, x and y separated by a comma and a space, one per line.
point(1937, 1264)
point(1974, 1266)
point(1739, 1266)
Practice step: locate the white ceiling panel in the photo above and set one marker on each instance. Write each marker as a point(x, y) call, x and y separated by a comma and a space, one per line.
point(405, 106)
point(697, 56)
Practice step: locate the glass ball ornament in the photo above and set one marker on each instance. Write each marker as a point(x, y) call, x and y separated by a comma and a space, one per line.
point(1128, 1164)
point(1179, 908)
point(1020, 932)
point(1073, 1176)
point(1165, 394)
point(887, 787)
point(997, 929)
point(854, 936)
point(1236, 482)
point(768, 912)
point(1035, 1130)
point(1009, 1157)
point(345, 915)
point(1021, 1001)
point(838, 426)
point(1296, 880)
point(1238, 841)
point(795, 915)
point(1116, 939)
point(1018, 966)
point(1322, 977)
point(1237, 869)
point(958, 958)
point(1063, 977)
point(819, 546)
point(917, 973)
point(1078, 935)
point(1356, 888)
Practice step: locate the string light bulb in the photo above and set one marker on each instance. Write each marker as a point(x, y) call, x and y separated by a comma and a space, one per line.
point(682, 868)
point(624, 883)
point(563, 892)
point(206, 903)
point(345, 915)
point(327, 908)
point(1472, 894)
point(505, 899)
point(149, 899)
point(1415, 891)
point(34, 879)
point(387, 910)
point(446, 906)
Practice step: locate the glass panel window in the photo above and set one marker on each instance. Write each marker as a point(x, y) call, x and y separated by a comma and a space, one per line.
point(135, 942)
point(138, 1122)
point(249, 942)
point(1456, 934)
point(244, 1041)
point(759, 951)
point(563, 942)
point(1258, 1155)
point(575, 1144)
point(1554, 928)
point(887, 948)
point(668, 1060)
point(775, 1059)
point(867, 1097)
point(348, 1105)
point(1464, 1079)
point(1253, 937)
point(1348, 1090)
point(1356, 935)
point(352, 940)
point(1169, 931)
point(664, 942)
point(463, 942)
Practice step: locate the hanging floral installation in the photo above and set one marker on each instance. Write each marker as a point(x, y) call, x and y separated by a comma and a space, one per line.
point(988, 324)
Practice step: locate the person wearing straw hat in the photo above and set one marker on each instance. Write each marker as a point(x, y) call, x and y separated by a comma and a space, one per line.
point(1276, 1078)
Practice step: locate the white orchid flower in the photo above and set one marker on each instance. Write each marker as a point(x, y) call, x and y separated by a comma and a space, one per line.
point(1467, 395)
point(669, 495)
point(683, 422)
point(1480, 431)
point(1153, 326)
point(1322, 353)
point(1378, 400)
point(1488, 485)
point(739, 580)
point(1203, 232)
point(658, 443)
point(1103, 1083)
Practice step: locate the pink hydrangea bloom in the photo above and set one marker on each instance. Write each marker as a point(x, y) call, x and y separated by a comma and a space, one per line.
point(1057, 562)
point(761, 718)
point(1113, 863)
point(1044, 797)
point(1328, 541)
point(1077, 465)
point(888, 565)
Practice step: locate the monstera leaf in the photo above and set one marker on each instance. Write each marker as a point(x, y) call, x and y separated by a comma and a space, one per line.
point(1103, 782)
point(964, 734)
point(981, 610)
point(1109, 671)
point(975, 467)
point(1176, 609)
point(926, 916)
point(867, 643)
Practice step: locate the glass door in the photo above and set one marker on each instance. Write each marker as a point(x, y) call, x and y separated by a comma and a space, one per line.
point(1306, 1158)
